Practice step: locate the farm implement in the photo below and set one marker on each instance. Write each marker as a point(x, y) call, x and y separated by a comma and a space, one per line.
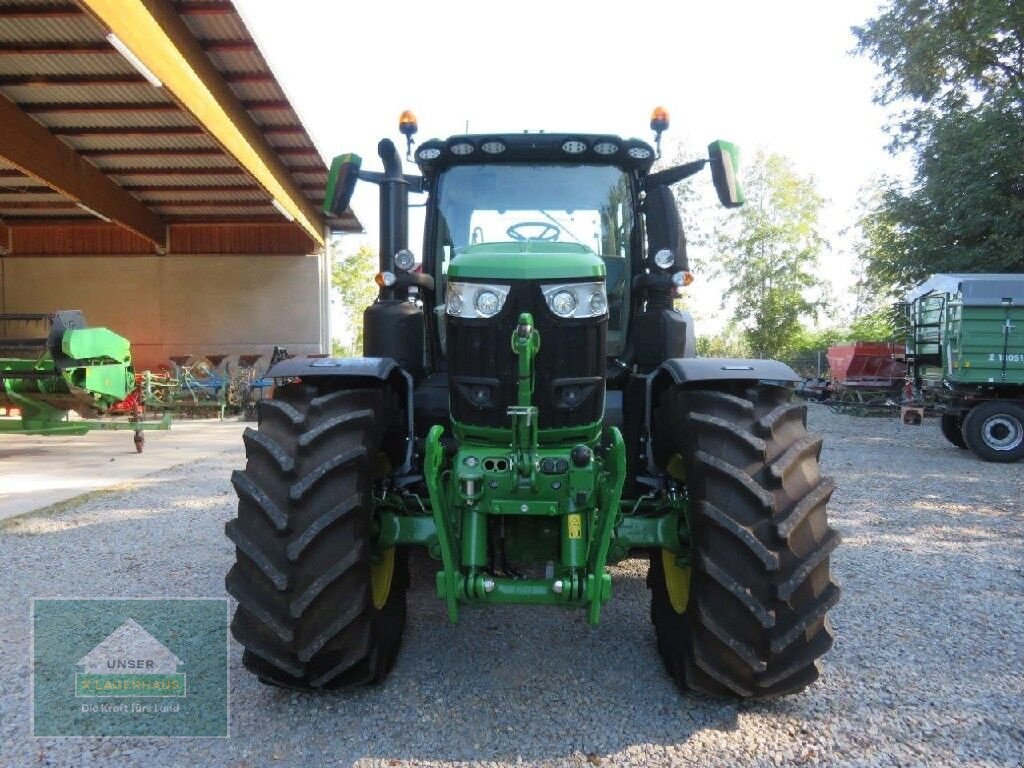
point(866, 377)
point(51, 364)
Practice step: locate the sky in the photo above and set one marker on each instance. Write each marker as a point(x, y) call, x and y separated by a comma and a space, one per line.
point(772, 75)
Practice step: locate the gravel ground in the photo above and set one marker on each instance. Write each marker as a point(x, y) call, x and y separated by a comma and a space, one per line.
point(927, 668)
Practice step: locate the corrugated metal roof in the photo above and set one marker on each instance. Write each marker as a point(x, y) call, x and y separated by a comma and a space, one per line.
point(125, 119)
point(198, 194)
point(59, 29)
point(220, 210)
point(46, 196)
point(113, 163)
point(110, 62)
point(79, 94)
point(180, 179)
point(286, 140)
point(216, 26)
point(49, 59)
point(238, 61)
point(257, 91)
point(115, 142)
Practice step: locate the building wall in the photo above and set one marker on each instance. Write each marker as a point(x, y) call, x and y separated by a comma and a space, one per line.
point(181, 305)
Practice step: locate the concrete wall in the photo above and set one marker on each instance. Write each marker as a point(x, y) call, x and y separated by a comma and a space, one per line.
point(181, 305)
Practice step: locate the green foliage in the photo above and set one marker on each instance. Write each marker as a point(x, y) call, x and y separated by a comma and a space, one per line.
point(941, 55)
point(873, 326)
point(768, 253)
point(955, 70)
point(965, 211)
point(728, 343)
point(352, 277)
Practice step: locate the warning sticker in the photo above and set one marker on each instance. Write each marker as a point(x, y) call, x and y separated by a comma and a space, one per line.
point(575, 522)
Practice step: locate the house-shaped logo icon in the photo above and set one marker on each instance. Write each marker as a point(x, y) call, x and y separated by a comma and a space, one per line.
point(130, 648)
point(130, 662)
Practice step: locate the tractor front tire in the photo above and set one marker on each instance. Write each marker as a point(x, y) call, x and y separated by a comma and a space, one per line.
point(317, 607)
point(952, 426)
point(746, 616)
point(994, 431)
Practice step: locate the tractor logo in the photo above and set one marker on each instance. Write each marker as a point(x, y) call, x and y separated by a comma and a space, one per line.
point(130, 662)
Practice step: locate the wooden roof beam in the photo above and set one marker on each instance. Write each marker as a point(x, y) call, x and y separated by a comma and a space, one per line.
point(157, 35)
point(38, 153)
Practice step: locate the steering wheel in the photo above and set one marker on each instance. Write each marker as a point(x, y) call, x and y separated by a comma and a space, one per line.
point(546, 233)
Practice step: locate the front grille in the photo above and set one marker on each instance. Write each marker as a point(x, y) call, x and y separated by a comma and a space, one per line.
point(570, 387)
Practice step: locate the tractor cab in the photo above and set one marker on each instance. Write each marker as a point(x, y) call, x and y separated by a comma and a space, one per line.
point(502, 209)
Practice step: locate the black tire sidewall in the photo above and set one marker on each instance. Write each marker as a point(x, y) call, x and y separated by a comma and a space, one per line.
point(974, 423)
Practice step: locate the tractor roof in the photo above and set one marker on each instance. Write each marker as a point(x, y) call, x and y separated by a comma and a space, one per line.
point(498, 148)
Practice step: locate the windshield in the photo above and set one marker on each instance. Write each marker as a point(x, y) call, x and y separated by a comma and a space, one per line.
point(586, 204)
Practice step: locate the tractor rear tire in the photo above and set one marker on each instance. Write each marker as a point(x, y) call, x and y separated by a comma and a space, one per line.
point(952, 426)
point(749, 618)
point(994, 431)
point(315, 610)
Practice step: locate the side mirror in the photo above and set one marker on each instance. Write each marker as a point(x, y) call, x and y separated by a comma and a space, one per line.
point(725, 172)
point(341, 183)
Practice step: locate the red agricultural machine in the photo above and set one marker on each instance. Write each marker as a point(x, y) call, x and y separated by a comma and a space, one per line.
point(864, 377)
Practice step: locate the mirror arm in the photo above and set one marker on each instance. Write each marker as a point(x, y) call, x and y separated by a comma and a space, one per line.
point(674, 175)
point(416, 183)
point(374, 177)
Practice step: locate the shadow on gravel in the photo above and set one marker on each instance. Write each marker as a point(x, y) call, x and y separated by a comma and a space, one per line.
point(510, 682)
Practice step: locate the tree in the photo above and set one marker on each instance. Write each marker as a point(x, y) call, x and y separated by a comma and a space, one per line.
point(942, 55)
point(954, 70)
point(768, 253)
point(352, 277)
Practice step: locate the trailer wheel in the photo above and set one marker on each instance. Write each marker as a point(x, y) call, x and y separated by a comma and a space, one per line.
point(994, 431)
point(952, 426)
point(746, 615)
point(317, 607)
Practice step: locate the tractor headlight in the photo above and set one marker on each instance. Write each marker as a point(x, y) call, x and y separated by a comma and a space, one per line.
point(487, 303)
point(563, 303)
point(405, 260)
point(576, 299)
point(475, 300)
point(664, 258)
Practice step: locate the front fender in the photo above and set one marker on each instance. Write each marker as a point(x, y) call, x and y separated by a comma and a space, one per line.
point(687, 370)
point(380, 368)
point(365, 370)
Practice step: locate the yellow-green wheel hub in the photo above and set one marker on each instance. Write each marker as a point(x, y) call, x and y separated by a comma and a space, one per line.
point(677, 581)
point(381, 574)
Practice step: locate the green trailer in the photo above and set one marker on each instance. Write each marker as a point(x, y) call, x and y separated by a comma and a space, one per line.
point(53, 363)
point(966, 353)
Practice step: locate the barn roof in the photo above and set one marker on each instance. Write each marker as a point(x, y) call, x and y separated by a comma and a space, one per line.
point(149, 115)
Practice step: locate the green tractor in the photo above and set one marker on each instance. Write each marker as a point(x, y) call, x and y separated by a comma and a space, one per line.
point(529, 411)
